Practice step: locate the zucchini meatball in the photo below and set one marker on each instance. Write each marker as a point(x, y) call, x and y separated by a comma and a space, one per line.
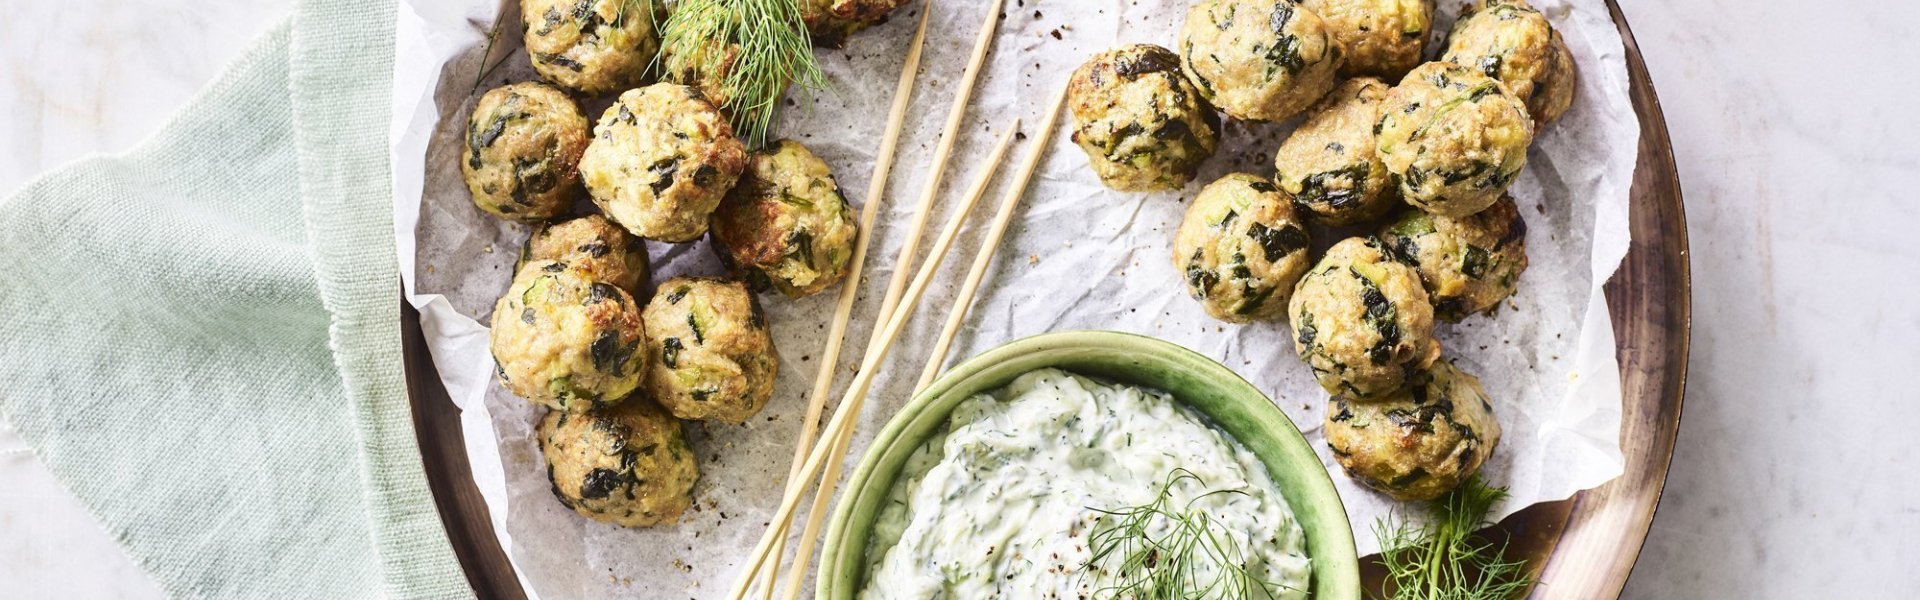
point(594, 246)
point(831, 22)
point(1242, 248)
point(1143, 125)
point(566, 342)
point(1453, 138)
point(660, 160)
point(627, 465)
point(1420, 442)
point(717, 360)
point(1329, 166)
point(1362, 321)
point(1381, 38)
point(704, 67)
point(523, 144)
point(591, 46)
point(785, 223)
point(1258, 60)
point(1468, 265)
point(1510, 41)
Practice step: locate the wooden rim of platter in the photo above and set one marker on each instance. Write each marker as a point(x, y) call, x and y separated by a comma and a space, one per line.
point(1582, 547)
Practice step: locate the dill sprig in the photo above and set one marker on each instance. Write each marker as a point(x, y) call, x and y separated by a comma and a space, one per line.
point(1443, 559)
point(1159, 549)
point(760, 46)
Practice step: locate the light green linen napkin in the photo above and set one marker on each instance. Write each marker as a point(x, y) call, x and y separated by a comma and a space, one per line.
point(202, 339)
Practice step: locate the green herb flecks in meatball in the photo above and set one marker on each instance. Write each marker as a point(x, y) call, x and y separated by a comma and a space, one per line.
point(1468, 265)
point(564, 341)
point(1329, 164)
point(523, 144)
point(1379, 38)
point(1362, 321)
point(1143, 126)
point(1510, 41)
point(717, 360)
point(1258, 60)
point(660, 161)
point(785, 224)
point(596, 247)
point(1453, 138)
point(591, 46)
point(628, 465)
point(1419, 442)
point(1242, 249)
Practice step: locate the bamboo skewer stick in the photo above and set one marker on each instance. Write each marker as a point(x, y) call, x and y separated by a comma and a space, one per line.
point(824, 377)
point(823, 496)
point(849, 405)
point(850, 287)
point(964, 300)
point(937, 166)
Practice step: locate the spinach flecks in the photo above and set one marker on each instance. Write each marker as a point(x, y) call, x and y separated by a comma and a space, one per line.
point(1323, 188)
point(600, 292)
point(1474, 262)
point(663, 171)
point(600, 483)
point(1276, 244)
point(1200, 279)
point(670, 352)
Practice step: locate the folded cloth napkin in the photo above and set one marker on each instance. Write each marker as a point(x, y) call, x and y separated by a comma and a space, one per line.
point(202, 336)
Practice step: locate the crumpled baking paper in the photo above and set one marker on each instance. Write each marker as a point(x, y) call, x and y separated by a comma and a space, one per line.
point(1079, 256)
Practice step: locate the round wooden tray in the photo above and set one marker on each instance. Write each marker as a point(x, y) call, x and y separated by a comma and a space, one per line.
point(1582, 547)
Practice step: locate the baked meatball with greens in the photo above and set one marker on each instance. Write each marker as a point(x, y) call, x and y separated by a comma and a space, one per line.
point(596, 247)
point(627, 465)
point(1469, 264)
point(1510, 41)
point(1362, 321)
point(831, 22)
point(1453, 138)
point(1379, 38)
point(1329, 166)
point(660, 161)
point(705, 67)
point(1242, 248)
point(1258, 60)
point(523, 143)
point(785, 224)
point(1417, 443)
point(567, 342)
point(593, 47)
point(716, 357)
point(1143, 125)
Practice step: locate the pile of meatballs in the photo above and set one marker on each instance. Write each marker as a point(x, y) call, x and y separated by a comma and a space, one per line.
point(1420, 168)
point(582, 331)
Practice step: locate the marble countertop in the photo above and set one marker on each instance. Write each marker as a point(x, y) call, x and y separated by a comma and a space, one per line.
point(1794, 472)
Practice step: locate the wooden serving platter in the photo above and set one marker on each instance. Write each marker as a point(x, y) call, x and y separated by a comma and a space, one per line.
point(1582, 547)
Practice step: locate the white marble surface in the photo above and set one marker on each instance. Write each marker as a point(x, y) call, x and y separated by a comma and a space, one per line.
point(1795, 473)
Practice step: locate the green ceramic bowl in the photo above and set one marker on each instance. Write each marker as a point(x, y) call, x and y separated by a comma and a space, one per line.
point(1235, 405)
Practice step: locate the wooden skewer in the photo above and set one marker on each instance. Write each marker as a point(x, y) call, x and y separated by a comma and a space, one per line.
point(850, 287)
point(843, 415)
point(937, 166)
point(964, 300)
point(823, 496)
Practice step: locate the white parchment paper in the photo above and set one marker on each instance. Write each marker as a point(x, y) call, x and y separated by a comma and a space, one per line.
point(1078, 257)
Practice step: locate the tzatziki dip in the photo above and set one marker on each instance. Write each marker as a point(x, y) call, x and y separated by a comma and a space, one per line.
point(1028, 484)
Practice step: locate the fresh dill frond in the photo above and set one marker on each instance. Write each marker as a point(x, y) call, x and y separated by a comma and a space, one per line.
point(759, 47)
point(1443, 559)
point(492, 34)
point(1155, 551)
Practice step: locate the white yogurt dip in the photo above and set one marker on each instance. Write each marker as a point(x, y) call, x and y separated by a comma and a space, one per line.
point(1006, 501)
